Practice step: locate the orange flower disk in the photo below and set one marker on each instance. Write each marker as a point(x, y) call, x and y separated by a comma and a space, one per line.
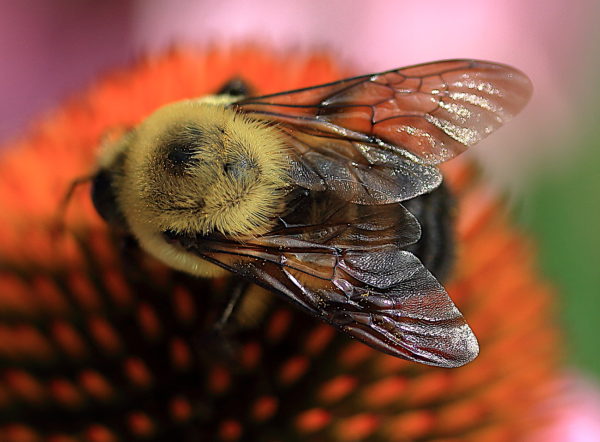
point(99, 342)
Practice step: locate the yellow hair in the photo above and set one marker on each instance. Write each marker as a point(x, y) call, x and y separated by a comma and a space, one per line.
point(198, 167)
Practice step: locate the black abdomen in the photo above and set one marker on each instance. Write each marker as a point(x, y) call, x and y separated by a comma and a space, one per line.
point(435, 249)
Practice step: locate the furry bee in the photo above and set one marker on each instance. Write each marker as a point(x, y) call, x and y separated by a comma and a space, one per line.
point(306, 193)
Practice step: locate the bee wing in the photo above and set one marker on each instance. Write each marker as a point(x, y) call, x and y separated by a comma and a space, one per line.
point(358, 172)
point(354, 275)
point(434, 111)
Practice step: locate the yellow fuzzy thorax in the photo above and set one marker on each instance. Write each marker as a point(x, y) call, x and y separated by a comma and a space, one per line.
point(196, 167)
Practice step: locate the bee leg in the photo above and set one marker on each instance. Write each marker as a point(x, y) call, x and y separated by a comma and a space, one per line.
point(129, 251)
point(220, 337)
point(238, 289)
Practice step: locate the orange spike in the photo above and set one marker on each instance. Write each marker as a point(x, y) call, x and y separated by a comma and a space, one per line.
point(410, 425)
point(140, 424)
point(250, 355)
point(219, 379)
point(318, 339)
point(183, 304)
point(117, 288)
point(51, 299)
point(358, 427)
point(312, 420)
point(68, 339)
point(95, 385)
point(293, 369)
point(148, 320)
point(230, 430)
point(458, 416)
point(99, 433)
point(31, 344)
point(278, 325)
point(25, 386)
point(137, 371)
point(264, 408)
point(83, 292)
point(428, 387)
point(105, 335)
point(385, 391)
point(354, 353)
point(61, 438)
point(337, 388)
point(65, 393)
point(19, 433)
point(180, 408)
point(180, 354)
point(16, 296)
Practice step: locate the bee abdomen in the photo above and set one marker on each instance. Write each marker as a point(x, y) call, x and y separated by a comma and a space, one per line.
point(435, 248)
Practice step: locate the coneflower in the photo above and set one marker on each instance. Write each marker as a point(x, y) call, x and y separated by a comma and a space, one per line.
point(98, 342)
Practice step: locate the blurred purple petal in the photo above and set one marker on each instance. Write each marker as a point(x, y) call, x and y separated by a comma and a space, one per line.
point(575, 415)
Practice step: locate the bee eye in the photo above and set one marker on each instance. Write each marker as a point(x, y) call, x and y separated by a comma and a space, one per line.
point(104, 198)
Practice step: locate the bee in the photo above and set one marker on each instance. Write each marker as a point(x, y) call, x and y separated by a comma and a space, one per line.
point(305, 193)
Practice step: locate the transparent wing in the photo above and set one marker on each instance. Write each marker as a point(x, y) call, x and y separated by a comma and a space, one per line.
point(433, 111)
point(358, 172)
point(344, 263)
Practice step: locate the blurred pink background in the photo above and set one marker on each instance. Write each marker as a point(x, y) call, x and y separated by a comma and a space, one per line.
point(50, 50)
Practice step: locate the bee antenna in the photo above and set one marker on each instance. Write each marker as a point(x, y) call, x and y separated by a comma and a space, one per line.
point(59, 226)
